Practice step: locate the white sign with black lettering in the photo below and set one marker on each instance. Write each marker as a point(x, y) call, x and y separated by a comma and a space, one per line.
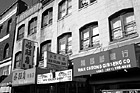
point(60, 76)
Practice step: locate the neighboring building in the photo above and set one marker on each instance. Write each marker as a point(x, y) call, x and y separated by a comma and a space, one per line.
point(7, 35)
point(100, 37)
point(26, 28)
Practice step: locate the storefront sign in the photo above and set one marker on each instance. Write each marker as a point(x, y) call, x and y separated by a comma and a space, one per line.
point(60, 76)
point(54, 60)
point(115, 59)
point(27, 54)
point(23, 77)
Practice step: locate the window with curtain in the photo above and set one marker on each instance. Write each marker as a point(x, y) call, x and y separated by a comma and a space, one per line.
point(83, 3)
point(47, 17)
point(20, 33)
point(89, 35)
point(65, 8)
point(122, 24)
point(65, 44)
point(32, 26)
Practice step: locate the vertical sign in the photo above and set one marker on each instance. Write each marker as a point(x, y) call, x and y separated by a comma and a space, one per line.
point(27, 54)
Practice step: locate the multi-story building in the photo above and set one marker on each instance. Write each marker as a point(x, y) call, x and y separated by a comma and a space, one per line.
point(7, 32)
point(7, 36)
point(101, 39)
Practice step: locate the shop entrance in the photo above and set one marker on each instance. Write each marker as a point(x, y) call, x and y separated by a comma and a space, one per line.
point(122, 91)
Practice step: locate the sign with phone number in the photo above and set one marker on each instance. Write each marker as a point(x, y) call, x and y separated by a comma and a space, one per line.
point(23, 77)
point(111, 60)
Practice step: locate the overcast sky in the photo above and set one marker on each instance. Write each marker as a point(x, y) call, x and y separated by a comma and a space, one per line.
point(4, 4)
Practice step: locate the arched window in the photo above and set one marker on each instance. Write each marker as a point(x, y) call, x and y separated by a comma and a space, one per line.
point(32, 26)
point(122, 24)
point(89, 36)
point(18, 59)
point(65, 8)
point(20, 33)
point(45, 46)
point(65, 44)
point(47, 17)
point(6, 51)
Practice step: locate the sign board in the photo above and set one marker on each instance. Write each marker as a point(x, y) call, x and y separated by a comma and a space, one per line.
point(54, 77)
point(111, 60)
point(54, 61)
point(23, 77)
point(27, 54)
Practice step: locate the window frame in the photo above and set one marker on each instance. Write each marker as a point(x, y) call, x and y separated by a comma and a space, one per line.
point(20, 33)
point(18, 56)
point(86, 4)
point(47, 45)
point(122, 15)
point(48, 16)
point(64, 38)
point(32, 28)
point(1, 28)
point(89, 28)
point(66, 9)
point(6, 51)
point(9, 28)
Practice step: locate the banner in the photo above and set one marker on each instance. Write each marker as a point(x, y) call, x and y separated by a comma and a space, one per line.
point(59, 76)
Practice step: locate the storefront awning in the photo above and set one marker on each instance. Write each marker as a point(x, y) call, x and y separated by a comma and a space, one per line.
point(7, 81)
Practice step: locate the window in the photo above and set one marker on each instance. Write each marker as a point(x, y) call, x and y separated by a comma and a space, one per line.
point(6, 51)
point(1, 27)
point(47, 17)
point(18, 59)
point(89, 35)
point(65, 44)
point(32, 26)
point(83, 3)
point(20, 34)
point(46, 46)
point(9, 26)
point(122, 24)
point(65, 8)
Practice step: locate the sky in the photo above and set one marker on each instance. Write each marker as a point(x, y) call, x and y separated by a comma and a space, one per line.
point(4, 4)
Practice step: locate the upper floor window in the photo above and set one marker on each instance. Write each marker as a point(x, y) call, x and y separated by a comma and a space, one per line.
point(83, 3)
point(65, 8)
point(1, 27)
point(47, 17)
point(89, 35)
point(6, 51)
point(9, 26)
point(32, 26)
point(20, 33)
point(65, 44)
point(18, 60)
point(46, 46)
point(122, 24)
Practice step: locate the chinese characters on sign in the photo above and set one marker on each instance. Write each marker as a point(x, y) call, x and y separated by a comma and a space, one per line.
point(115, 59)
point(28, 53)
point(23, 77)
point(56, 61)
point(60, 76)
